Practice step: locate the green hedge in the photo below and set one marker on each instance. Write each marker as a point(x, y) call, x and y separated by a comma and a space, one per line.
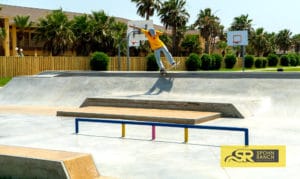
point(193, 62)
point(151, 63)
point(99, 61)
point(230, 61)
point(249, 61)
point(206, 62)
point(284, 60)
point(216, 61)
point(272, 60)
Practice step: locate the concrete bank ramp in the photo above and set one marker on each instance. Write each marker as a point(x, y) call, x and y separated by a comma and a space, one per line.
point(250, 93)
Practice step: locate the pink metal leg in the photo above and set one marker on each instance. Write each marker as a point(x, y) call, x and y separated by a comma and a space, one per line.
point(153, 133)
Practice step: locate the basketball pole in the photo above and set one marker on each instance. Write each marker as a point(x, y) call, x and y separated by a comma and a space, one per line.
point(128, 54)
point(243, 56)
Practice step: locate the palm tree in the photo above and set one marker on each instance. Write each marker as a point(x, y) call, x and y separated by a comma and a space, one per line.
point(283, 40)
point(146, 8)
point(83, 35)
point(296, 42)
point(23, 23)
point(259, 42)
point(55, 31)
point(209, 27)
point(173, 14)
point(97, 32)
point(271, 40)
point(102, 26)
point(242, 23)
point(118, 32)
point(190, 44)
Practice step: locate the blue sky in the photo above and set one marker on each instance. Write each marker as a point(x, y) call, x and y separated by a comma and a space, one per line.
point(273, 15)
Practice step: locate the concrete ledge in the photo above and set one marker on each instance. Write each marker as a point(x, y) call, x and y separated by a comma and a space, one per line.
point(225, 109)
point(22, 162)
point(174, 74)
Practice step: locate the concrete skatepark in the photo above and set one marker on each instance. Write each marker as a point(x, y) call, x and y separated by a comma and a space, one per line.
point(269, 103)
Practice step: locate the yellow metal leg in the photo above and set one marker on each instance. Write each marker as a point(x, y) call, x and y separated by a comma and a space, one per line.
point(186, 135)
point(123, 130)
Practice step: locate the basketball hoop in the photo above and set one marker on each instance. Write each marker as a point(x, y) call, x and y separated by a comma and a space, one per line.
point(237, 39)
point(134, 42)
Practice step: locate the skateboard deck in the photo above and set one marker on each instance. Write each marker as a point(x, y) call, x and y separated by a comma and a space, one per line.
point(165, 72)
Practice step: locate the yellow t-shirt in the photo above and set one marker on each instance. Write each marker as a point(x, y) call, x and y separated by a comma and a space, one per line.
point(155, 42)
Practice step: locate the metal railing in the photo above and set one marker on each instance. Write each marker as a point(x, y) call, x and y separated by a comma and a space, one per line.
point(154, 124)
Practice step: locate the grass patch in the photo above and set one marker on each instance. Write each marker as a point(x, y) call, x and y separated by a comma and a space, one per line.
point(296, 69)
point(289, 69)
point(268, 69)
point(4, 81)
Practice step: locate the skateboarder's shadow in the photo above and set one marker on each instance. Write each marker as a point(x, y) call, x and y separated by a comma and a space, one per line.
point(163, 84)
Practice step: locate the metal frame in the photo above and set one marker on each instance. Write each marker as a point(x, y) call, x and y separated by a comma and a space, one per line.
point(154, 124)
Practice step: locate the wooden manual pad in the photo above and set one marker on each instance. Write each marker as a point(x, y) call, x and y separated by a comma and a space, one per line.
point(142, 114)
point(41, 163)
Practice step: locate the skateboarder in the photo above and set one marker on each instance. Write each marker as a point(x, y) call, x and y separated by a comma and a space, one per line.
point(157, 46)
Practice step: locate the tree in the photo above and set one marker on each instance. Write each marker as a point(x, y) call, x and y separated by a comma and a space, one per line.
point(97, 32)
point(242, 23)
point(119, 30)
point(146, 8)
point(222, 45)
point(209, 27)
point(173, 14)
point(55, 31)
point(190, 44)
point(259, 42)
point(272, 45)
point(283, 40)
point(102, 32)
point(296, 42)
point(81, 28)
point(23, 23)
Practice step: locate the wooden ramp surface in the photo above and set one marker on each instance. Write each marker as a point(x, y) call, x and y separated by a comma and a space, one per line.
point(141, 114)
point(18, 162)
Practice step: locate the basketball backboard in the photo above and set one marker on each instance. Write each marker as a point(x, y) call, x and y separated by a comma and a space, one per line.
point(237, 38)
point(136, 38)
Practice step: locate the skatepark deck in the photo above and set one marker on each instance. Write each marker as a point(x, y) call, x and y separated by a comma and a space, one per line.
point(269, 103)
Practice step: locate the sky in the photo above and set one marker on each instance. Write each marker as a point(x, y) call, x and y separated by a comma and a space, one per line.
point(272, 15)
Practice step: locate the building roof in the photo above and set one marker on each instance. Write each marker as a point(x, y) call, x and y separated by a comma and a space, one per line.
point(37, 13)
point(34, 13)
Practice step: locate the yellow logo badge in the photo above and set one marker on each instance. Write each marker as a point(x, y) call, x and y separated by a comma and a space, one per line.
point(253, 156)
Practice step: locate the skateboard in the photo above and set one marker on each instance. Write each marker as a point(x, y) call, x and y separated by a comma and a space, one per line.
point(165, 71)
